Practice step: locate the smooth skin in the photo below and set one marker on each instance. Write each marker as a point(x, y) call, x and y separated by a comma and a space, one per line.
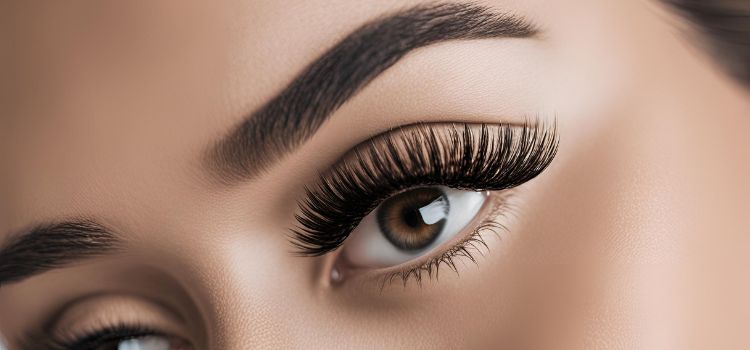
point(634, 238)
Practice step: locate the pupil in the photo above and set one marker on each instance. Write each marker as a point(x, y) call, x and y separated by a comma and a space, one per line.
point(412, 218)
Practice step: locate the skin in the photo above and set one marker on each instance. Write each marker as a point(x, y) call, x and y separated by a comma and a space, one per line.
point(633, 238)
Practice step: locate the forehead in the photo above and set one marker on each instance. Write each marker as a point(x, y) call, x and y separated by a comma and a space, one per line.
point(114, 102)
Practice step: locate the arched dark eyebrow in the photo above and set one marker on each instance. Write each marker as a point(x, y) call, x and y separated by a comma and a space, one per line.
point(53, 246)
point(297, 112)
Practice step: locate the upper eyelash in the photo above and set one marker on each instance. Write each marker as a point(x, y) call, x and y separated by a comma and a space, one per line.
point(478, 157)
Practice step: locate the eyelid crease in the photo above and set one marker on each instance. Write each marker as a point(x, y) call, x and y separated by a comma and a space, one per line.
point(459, 155)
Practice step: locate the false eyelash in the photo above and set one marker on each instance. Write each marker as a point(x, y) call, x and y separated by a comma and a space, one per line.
point(479, 157)
point(92, 340)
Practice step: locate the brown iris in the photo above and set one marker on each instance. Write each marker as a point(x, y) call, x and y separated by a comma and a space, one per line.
point(413, 219)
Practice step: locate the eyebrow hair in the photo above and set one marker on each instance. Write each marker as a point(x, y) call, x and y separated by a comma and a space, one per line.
point(290, 118)
point(53, 246)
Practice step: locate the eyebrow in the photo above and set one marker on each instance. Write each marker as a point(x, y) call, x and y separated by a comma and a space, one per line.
point(53, 246)
point(294, 115)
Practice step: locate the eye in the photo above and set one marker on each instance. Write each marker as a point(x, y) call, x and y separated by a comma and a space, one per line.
point(410, 224)
point(121, 338)
point(409, 198)
point(152, 342)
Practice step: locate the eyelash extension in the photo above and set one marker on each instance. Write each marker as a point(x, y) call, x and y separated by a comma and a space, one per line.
point(90, 341)
point(480, 157)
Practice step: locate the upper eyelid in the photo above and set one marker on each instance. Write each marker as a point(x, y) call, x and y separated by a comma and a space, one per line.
point(169, 311)
point(66, 332)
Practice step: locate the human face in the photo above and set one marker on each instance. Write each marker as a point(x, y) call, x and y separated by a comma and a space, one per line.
point(156, 156)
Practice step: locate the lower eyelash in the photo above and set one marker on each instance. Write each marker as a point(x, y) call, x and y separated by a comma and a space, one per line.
point(431, 268)
point(473, 244)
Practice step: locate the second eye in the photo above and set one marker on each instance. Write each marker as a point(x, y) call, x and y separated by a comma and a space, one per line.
point(410, 224)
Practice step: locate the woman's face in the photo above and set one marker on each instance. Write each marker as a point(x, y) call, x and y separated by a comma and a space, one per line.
point(272, 174)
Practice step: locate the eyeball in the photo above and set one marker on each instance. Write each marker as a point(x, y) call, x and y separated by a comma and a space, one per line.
point(151, 342)
point(145, 343)
point(410, 224)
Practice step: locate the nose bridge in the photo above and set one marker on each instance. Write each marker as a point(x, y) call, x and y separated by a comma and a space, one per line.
point(231, 252)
